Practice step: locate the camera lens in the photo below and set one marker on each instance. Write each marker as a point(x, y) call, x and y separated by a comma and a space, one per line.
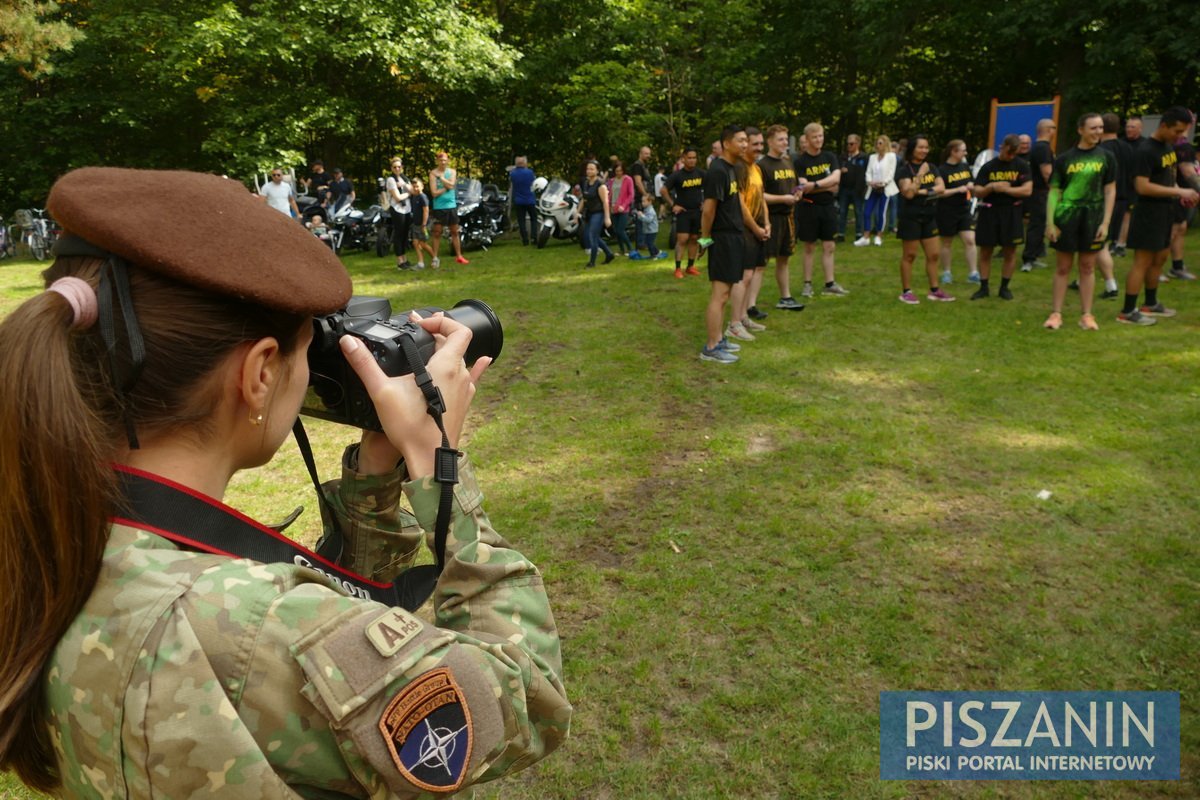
point(487, 337)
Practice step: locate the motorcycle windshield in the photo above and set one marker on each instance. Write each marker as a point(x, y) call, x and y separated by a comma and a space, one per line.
point(468, 190)
point(556, 190)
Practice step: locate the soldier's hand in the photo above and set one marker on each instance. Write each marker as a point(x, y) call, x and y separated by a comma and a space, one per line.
point(1101, 232)
point(1052, 232)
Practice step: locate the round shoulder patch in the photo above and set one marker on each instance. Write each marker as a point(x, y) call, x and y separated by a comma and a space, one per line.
point(427, 728)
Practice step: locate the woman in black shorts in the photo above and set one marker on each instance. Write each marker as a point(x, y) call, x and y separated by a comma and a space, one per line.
point(953, 209)
point(920, 185)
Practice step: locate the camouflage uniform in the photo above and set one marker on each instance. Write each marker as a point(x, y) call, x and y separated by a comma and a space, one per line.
point(189, 674)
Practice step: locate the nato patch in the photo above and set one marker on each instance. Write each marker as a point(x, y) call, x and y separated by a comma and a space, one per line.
point(427, 728)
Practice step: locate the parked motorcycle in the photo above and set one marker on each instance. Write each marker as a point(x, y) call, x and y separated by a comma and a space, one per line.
point(556, 212)
point(350, 228)
point(478, 225)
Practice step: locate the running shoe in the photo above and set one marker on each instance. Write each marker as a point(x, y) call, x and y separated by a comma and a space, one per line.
point(1088, 323)
point(608, 259)
point(947, 277)
point(751, 325)
point(717, 355)
point(940, 296)
point(1053, 322)
point(735, 330)
point(461, 260)
point(661, 255)
point(1004, 293)
point(1110, 294)
point(754, 313)
point(878, 241)
point(1118, 250)
point(973, 277)
point(835, 289)
point(1181, 274)
point(862, 241)
point(1026, 266)
point(981, 294)
point(691, 271)
point(807, 291)
point(728, 346)
point(1135, 317)
point(789, 304)
point(1073, 285)
point(679, 273)
point(910, 298)
point(635, 256)
point(435, 262)
point(1157, 310)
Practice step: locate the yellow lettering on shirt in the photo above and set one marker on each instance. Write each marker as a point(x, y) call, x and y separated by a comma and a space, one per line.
point(784, 174)
point(1010, 175)
point(817, 169)
point(1085, 166)
point(691, 183)
point(733, 189)
point(1169, 159)
point(965, 175)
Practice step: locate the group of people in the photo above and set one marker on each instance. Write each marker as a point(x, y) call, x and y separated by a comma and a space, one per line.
point(418, 218)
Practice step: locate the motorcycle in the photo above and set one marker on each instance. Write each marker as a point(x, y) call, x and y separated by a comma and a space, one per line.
point(556, 212)
point(350, 228)
point(477, 223)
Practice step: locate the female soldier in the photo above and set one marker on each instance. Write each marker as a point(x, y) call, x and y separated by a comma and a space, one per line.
point(954, 209)
point(132, 666)
point(919, 184)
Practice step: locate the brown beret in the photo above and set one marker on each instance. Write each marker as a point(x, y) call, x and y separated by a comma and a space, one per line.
point(203, 230)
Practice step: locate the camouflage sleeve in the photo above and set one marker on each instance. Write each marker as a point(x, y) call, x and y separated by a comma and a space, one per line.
point(381, 537)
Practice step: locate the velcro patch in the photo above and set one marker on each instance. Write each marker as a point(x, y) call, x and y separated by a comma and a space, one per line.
point(427, 728)
point(391, 630)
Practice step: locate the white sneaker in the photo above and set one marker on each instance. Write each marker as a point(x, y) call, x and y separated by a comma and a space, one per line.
point(807, 291)
point(737, 331)
point(879, 241)
point(835, 289)
point(862, 241)
point(751, 325)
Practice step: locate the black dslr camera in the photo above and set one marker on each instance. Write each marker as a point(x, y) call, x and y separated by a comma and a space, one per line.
point(335, 393)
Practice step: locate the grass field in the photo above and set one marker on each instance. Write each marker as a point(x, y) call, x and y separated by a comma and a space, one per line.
point(742, 557)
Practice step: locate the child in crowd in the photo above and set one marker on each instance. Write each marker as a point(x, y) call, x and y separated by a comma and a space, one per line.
point(649, 219)
point(420, 224)
point(320, 229)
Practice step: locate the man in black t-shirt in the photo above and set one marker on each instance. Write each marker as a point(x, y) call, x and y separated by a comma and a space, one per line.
point(818, 175)
point(1158, 194)
point(779, 193)
point(1123, 154)
point(640, 172)
point(318, 182)
point(683, 191)
point(723, 223)
point(1041, 160)
point(1133, 132)
point(341, 190)
point(1185, 163)
point(1001, 186)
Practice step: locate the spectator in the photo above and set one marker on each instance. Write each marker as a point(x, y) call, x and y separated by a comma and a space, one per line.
point(524, 201)
point(399, 193)
point(758, 231)
point(1124, 156)
point(714, 153)
point(593, 213)
point(620, 193)
point(1133, 131)
point(419, 205)
point(684, 192)
point(899, 147)
point(1024, 143)
point(660, 178)
point(881, 187)
point(649, 219)
point(920, 184)
point(1041, 161)
point(318, 182)
point(640, 172)
point(816, 210)
point(279, 195)
point(341, 190)
point(1001, 185)
point(953, 210)
point(442, 181)
point(852, 187)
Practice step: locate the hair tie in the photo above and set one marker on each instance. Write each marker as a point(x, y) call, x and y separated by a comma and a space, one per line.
point(82, 299)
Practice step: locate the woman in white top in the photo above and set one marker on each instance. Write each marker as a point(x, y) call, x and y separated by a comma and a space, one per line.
point(398, 191)
point(881, 187)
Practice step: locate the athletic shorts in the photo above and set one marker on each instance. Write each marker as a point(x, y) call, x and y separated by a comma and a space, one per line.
point(953, 219)
point(815, 222)
point(915, 224)
point(1077, 226)
point(419, 233)
point(1182, 212)
point(783, 235)
point(999, 226)
point(688, 222)
point(445, 216)
point(756, 252)
point(1150, 226)
point(726, 257)
point(1120, 206)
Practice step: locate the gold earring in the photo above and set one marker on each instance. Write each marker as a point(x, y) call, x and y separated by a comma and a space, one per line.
point(256, 419)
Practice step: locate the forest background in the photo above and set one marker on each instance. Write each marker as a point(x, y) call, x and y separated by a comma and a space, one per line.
point(239, 87)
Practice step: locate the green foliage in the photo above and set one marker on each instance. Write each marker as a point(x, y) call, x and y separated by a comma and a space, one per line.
point(29, 32)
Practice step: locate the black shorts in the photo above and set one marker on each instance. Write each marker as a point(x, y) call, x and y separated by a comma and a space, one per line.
point(915, 224)
point(1120, 207)
point(953, 219)
point(445, 216)
point(726, 257)
point(999, 226)
point(688, 221)
point(1077, 226)
point(783, 235)
point(1182, 212)
point(1150, 227)
point(756, 252)
point(815, 222)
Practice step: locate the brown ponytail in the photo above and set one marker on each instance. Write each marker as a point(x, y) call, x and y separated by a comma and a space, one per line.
point(61, 424)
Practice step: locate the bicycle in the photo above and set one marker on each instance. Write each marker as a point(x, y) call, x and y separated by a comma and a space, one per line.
point(37, 234)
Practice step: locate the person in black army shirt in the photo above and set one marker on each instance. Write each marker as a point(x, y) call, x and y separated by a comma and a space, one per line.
point(683, 192)
point(1001, 185)
point(1185, 162)
point(953, 209)
point(818, 174)
point(920, 185)
point(1083, 192)
point(1041, 161)
point(779, 192)
point(1123, 153)
point(1153, 215)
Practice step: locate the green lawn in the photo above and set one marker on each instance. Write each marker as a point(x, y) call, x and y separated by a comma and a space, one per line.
point(742, 557)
